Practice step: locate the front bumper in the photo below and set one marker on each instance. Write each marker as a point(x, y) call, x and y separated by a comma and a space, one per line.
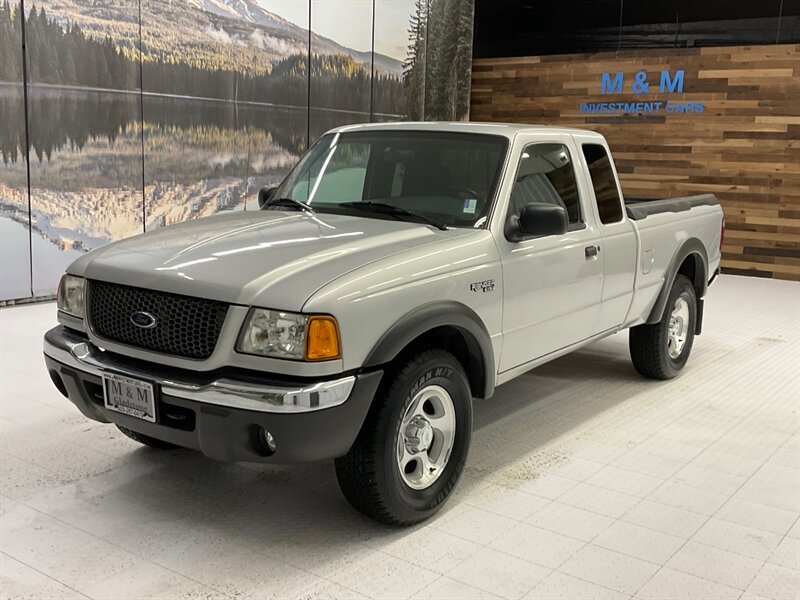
point(219, 413)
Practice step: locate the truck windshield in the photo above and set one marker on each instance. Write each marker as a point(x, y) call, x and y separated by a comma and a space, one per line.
point(439, 177)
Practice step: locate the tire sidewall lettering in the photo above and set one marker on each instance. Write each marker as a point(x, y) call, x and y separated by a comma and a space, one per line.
point(443, 372)
point(446, 377)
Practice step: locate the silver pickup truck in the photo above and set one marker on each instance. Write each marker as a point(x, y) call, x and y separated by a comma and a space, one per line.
point(398, 272)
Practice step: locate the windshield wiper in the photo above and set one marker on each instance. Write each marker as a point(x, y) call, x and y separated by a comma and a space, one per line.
point(289, 202)
point(391, 209)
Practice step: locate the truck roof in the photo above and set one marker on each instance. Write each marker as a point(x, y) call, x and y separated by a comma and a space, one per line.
point(508, 130)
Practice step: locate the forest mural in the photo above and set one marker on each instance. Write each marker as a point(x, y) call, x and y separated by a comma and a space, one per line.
point(143, 113)
point(438, 67)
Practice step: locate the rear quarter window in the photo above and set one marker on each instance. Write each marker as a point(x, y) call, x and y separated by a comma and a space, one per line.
point(606, 192)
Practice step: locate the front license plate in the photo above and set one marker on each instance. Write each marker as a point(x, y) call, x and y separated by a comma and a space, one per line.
point(129, 396)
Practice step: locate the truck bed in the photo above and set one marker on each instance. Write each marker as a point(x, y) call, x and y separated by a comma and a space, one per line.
point(641, 208)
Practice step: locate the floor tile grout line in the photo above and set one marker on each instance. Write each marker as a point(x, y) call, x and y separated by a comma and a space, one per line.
point(730, 496)
point(710, 468)
point(427, 586)
point(672, 422)
point(485, 546)
point(43, 574)
point(107, 541)
point(618, 519)
point(675, 474)
point(583, 541)
point(560, 572)
point(87, 478)
point(44, 433)
point(53, 471)
point(655, 433)
point(783, 538)
point(394, 556)
point(439, 575)
point(561, 564)
point(379, 551)
point(702, 449)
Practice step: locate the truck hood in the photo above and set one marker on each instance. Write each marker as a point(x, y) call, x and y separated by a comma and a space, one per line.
point(275, 259)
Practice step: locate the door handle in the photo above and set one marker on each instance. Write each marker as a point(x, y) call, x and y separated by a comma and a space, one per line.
point(591, 251)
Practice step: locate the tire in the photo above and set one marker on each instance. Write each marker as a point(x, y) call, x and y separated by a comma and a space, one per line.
point(147, 440)
point(654, 351)
point(370, 474)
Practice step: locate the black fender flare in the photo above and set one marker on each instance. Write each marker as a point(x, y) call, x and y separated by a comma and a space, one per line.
point(443, 313)
point(688, 248)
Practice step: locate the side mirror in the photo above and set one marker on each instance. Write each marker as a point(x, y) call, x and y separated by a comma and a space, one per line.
point(537, 220)
point(264, 194)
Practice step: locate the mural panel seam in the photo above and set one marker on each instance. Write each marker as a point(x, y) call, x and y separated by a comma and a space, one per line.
point(27, 144)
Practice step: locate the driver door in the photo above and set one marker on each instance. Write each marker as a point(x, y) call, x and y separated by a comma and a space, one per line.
point(552, 285)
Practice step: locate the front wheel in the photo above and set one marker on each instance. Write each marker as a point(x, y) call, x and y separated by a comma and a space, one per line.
point(413, 445)
point(660, 351)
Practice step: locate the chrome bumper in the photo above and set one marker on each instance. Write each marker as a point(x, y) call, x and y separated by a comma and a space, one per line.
point(75, 352)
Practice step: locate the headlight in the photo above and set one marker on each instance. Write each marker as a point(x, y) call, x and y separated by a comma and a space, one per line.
point(289, 335)
point(71, 295)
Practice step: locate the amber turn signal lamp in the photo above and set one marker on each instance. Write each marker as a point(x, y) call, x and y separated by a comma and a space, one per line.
point(322, 339)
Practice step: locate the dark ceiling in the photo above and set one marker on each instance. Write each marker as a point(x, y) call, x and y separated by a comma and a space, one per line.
point(534, 27)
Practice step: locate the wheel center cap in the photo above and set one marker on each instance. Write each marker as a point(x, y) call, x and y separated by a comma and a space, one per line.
point(419, 435)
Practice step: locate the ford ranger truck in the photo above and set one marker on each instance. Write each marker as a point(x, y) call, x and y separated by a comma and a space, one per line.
point(398, 272)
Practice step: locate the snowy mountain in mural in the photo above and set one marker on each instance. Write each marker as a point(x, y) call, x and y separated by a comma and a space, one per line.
point(236, 34)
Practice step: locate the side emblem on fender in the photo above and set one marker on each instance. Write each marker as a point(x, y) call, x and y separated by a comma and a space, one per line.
point(143, 319)
point(482, 286)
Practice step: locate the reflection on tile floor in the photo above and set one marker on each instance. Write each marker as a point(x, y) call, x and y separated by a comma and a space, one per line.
point(584, 481)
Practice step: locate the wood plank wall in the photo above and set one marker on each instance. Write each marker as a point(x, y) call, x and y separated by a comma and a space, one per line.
point(744, 147)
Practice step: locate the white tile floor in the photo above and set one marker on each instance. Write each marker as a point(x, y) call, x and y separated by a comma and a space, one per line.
point(584, 481)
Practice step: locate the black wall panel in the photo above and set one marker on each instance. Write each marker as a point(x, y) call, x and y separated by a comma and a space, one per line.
point(535, 27)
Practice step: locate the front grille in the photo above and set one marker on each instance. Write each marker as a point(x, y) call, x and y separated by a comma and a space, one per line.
point(184, 326)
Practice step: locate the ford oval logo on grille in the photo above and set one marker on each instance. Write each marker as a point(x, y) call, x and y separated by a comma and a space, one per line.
point(143, 319)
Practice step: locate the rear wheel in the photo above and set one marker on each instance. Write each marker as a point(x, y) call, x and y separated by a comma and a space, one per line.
point(412, 448)
point(146, 439)
point(660, 351)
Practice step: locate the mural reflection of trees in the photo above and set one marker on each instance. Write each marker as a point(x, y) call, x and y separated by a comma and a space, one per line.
point(84, 145)
point(71, 120)
point(12, 132)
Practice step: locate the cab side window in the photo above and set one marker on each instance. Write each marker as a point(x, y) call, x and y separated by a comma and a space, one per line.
point(606, 192)
point(546, 175)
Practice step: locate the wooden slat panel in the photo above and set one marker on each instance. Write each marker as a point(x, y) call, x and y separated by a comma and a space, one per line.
point(744, 147)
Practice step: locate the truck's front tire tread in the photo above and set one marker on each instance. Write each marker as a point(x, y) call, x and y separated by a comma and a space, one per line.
point(366, 475)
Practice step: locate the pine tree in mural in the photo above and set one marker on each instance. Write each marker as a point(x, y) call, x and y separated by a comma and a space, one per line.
point(66, 56)
point(438, 69)
point(414, 66)
point(12, 126)
point(10, 43)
